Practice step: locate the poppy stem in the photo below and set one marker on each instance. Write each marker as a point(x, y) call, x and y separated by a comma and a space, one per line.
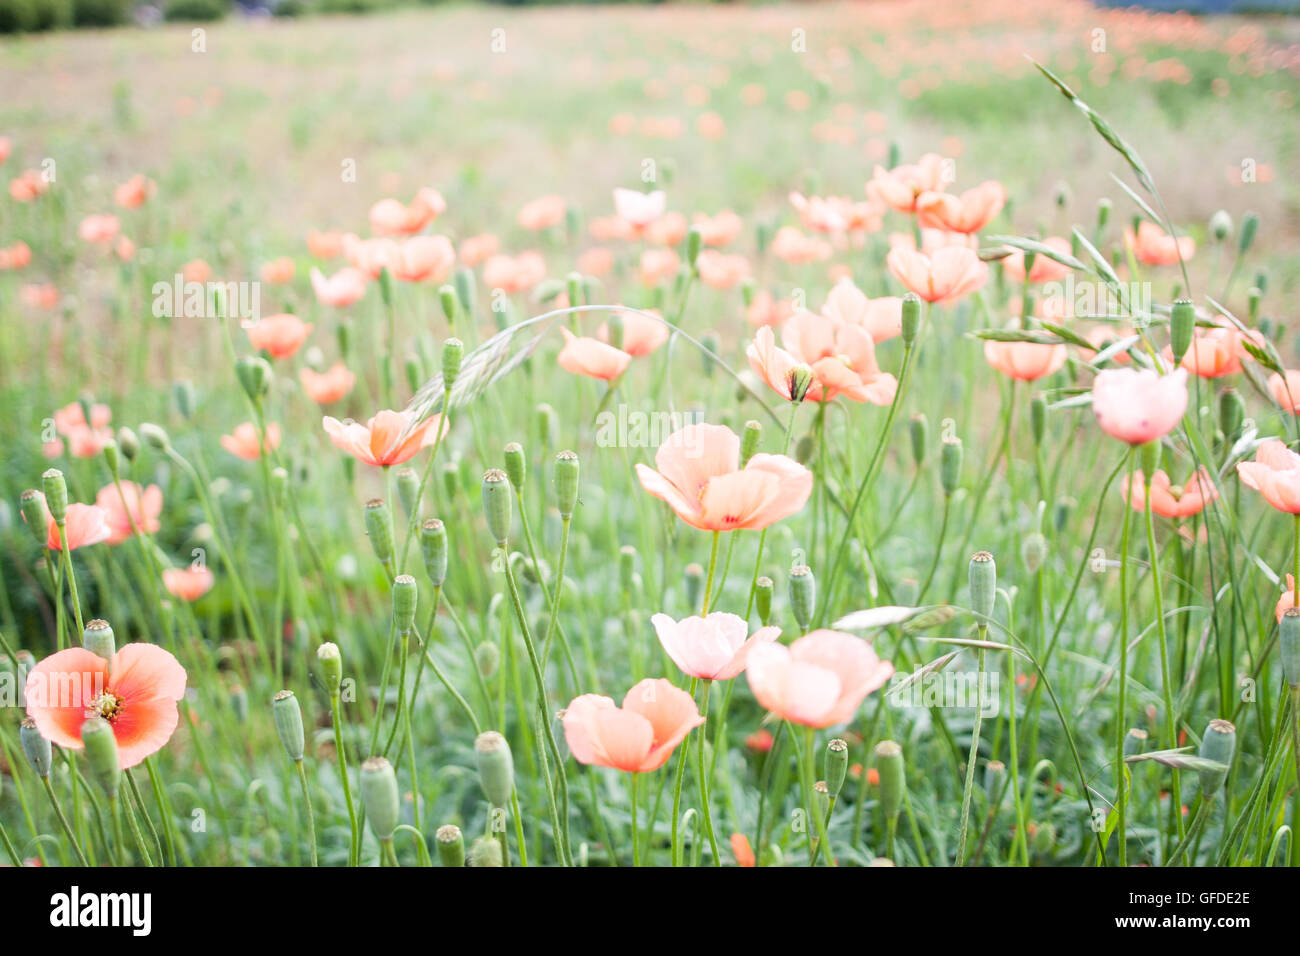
point(71, 576)
point(1171, 715)
point(340, 750)
point(311, 816)
point(63, 822)
point(708, 584)
point(971, 757)
point(703, 779)
point(636, 855)
point(1121, 772)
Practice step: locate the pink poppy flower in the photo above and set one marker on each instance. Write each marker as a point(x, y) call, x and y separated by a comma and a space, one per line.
point(514, 273)
point(1045, 268)
point(188, 583)
point(1026, 361)
point(144, 508)
point(842, 358)
point(583, 355)
point(882, 318)
point(641, 334)
point(326, 387)
point(341, 289)
point(84, 525)
point(639, 209)
point(1275, 474)
point(388, 438)
point(713, 647)
point(638, 737)
point(281, 335)
point(542, 213)
point(1137, 405)
point(901, 186)
point(942, 276)
point(969, 212)
point(1152, 246)
point(389, 217)
point(817, 681)
point(242, 442)
point(1168, 500)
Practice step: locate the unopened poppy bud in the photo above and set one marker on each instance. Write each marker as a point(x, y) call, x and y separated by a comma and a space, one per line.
point(694, 239)
point(516, 465)
point(98, 639)
point(950, 465)
point(573, 288)
point(1044, 838)
point(1289, 639)
point(331, 666)
point(379, 528)
point(893, 778)
point(693, 578)
point(995, 772)
point(1218, 744)
point(803, 594)
point(56, 494)
point(128, 443)
point(911, 321)
point(496, 504)
point(763, 589)
point(453, 353)
point(465, 290)
point(918, 430)
point(1061, 194)
point(34, 513)
point(1038, 418)
point(433, 545)
point(487, 659)
point(1253, 295)
point(254, 374)
point(288, 723)
point(749, 441)
point(451, 845)
point(1249, 226)
point(1232, 412)
point(486, 851)
point(800, 379)
point(626, 566)
point(343, 335)
point(39, 753)
point(1135, 741)
point(544, 416)
point(450, 478)
point(983, 584)
point(1104, 207)
point(101, 754)
point(1033, 551)
point(279, 485)
point(111, 456)
point(747, 289)
point(406, 595)
point(1149, 457)
point(239, 703)
point(566, 483)
point(496, 767)
point(1029, 259)
point(379, 796)
point(803, 449)
point(836, 765)
point(1221, 225)
point(447, 299)
point(184, 396)
point(154, 435)
point(408, 488)
point(386, 287)
point(1182, 323)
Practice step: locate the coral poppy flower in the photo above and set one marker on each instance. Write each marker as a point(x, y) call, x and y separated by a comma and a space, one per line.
point(902, 186)
point(16, 256)
point(638, 737)
point(1167, 500)
point(144, 508)
point(85, 525)
point(882, 318)
point(27, 186)
point(607, 228)
point(842, 358)
point(99, 228)
point(136, 692)
point(1104, 336)
point(942, 276)
point(1026, 361)
point(1045, 268)
point(817, 681)
point(638, 209)
point(188, 583)
point(124, 249)
point(389, 217)
point(668, 230)
point(85, 439)
point(514, 273)
point(743, 852)
point(658, 265)
point(719, 230)
point(765, 309)
point(968, 212)
point(325, 245)
point(372, 256)
point(699, 476)
point(1275, 474)
point(1154, 247)
point(1214, 353)
point(341, 289)
point(196, 270)
point(720, 270)
point(476, 249)
point(1137, 405)
point(242, 442)
point(135, 192)
point(597, 261)
point(326, 387)
point(641, 333)
point(388, 438)
point(40, 296)
point(281, 335)
point(1286, 391)
point(713, 647)
point(423, 259)
point(818, 214)
point(278, 271)
point(6, 145)
point(1287, 600)
point(760, 741)
point(792, 246)
point(542, 213)
point(583, 355)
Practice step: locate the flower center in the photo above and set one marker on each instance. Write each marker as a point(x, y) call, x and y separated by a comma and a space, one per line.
point(106, 705)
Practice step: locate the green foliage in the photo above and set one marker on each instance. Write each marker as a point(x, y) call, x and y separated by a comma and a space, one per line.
point(195, 10)
point(17, 16)
point(100, 13)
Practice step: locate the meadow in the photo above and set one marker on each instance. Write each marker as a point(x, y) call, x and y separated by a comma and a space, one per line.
point(795, 435)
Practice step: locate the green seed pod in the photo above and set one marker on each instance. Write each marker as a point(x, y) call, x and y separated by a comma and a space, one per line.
point(331, 666)
point(1135, 741)
point(39, 753)
point(496, 767)
point(433, 544)
point(836, 765)
point(496, 504)
point(693, 576)
point(763, 589)
point(911, 317)
point(1149, 457)
point(447, 299)
point(239, 703)
point(1038, 418)
point(465, 290)
point(128, 443)
point(950, 465)
point(453, 353)
point(1221, 225)
point(99, 640)
point(343, 335)
point(386, 287)
point(1232, 412)
point(1182, 323)
point(1103, 213)
point(547, 426)
point(154, 435)
point(893, 778)
point(56, 494)
point(995, 773)
point(749, 441)
point(288, 723)
point(694, 240)
point(1253, 295)
point(184, 396)
point(747, 289)
point(803, 449)
point(983, 584)
point(451, 845)
point(379, 528)
point(1061, 513)
point(799, 380)
point(1033, 551)
point(1044, 838)
point(101, 754)
point(486, 851)
point(821, 802)
point(112, 456)
point(1218, 744)
point(516, 465)
point(918, 431)
point(406, 595)
point(254, 374)
point(408, 488)
point(279, 486)
point(450, 478)
point(566, 483)
point(34, 514)
point(487, 659)
point(803, 595)
point(379, 796)
point(1249, 226)
point(1289, 641)
point(414, 373)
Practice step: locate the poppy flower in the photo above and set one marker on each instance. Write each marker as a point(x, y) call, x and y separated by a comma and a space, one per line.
point(638, 209)
point(281, 335)
point(817, 681)
point(326, 387)
point(1275, 474)
point(84, 525)
point(325, 245)
point(641, 334)
point(657, 265)
point(1138, 405)
point(638, 737)
point(389, 217)
point(135, 192)
point(1286, 390)
point(196, 270)
point(941, 276)
point(341, 289)
point(514, 273)
point(583, 355)
point(668, 230)
point(720, 270)
point(882, 318)
point(278, 271)
point(842, 358)
point(388, 438)
point(719, 230)
point(27, 186)
point(765, 309)
point(792, 246)
point(713, 647)
point(242, 442)
point(143, 506)
point(1152, 246)
point(902, 186)
point(542, 213)
point(98, 228)
point(1044, 269)
point(743, 852)
point(136, 692)
point(476, 249)
point(1025, 361)
point(1168, 500)
point(188, 583)
point(968, 212)
point(423, 259)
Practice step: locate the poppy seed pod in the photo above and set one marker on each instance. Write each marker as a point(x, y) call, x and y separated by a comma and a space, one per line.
point(99, 640)
point(1104, 207)
point(33, 509)
point(433, 545)
point(713, 344)
point(1253, 295)
point(453, 353)
point(1249, 226)
point(451, 845)
point(379, 528)
point(496, 504)
point(573, 288)
point(496, 767)
point(983, 584)
point(693, 577)
point(1044, 838)
point(1232, 412)
point(1289, 642)
point(38, 750)
point(800, 379)
point(1038, 418)
point(544, 418)
point(405, 598)
point(566, 483)
point(487, 659)
point(763, 588)
point(450, 478)
point(821, 799)
point(379, 796)
point(414, 373)
point(101, 754)
point(911, 319)
point(950, 465)
point(1033, 551)
point(516, 465)
point(803, 594)
point(111, 457)
point(1218, 744)
point(836, 766)
point(386, 287)
point(918, 431)
point(749, 441)
point(1221, 225)
point(331, 666)
point(465, 290)
point(408, 488)
point(486, 851)
point(1182, 323)
point(128, 443)
point(56, 494)
point(1135, 741)
point(447, 299)
point(155, 435)
point(184, 396)
point(893, 778)
point(288, 723)
point(254, 374)
point(1149, 457)
point(694, 239)
point(803, 449)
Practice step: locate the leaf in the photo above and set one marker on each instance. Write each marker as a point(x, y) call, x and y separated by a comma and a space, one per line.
point(932, 618)
point(874, 617)
point(1180, 760)
point(938, 664)
point(1104, 268)
point(1016, 335)
point(1041, 249)
point(1119, 345)
point(1074, 401)
point(1072, 337)
point(971, 642)
point(1141, 203)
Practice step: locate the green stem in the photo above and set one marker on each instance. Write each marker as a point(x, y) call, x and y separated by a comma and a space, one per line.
point(311, 816)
